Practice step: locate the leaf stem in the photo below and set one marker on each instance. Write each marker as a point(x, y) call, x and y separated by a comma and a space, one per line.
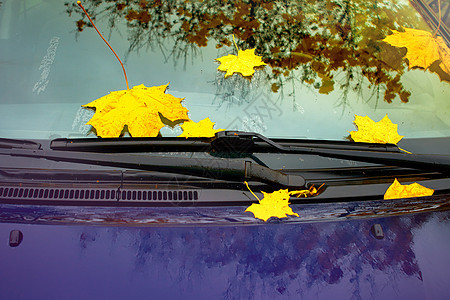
point(123, 68)
point(235, 44)
point(249, 187)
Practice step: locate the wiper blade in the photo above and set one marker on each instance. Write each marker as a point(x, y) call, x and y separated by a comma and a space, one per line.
point(237, 140)
point(223, 168)
point(127, 144)
point(18, 144)
point(243, 144)
point(233, 169)
point(250, 142)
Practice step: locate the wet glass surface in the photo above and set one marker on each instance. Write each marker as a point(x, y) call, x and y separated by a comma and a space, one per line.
point(326, 62)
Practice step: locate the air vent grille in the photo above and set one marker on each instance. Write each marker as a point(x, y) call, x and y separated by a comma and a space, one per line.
point(157, 195)
point(95, 194)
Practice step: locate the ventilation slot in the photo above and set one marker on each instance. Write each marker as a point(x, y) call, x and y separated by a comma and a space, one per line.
point(151, 195)
point(77, 194)
point(23, 193)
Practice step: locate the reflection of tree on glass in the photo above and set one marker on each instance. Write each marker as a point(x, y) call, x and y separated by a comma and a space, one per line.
point(320, 43)
point(287, 259)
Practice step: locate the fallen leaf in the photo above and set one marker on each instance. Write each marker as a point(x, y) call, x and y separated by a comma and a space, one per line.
point(138, 108)
point(243, 63)
point(276, 204)
point(369, 131)
point(423, 48)
point(203, 128)
point(396, 190)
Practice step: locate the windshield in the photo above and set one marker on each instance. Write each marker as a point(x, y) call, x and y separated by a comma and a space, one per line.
point(323, 63)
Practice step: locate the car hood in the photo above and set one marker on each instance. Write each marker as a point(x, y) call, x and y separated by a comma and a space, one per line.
point(347, 253)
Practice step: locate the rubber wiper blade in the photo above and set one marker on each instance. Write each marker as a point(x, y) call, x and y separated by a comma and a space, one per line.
point(128, 144)
point(250, 142)
point(238, 141)
point(19, 144)
point(223, 168)
point(221, 142)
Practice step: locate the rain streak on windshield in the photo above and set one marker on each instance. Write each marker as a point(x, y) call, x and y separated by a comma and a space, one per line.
point(325, 62)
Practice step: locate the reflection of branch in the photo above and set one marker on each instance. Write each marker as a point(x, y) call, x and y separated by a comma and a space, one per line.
point(87, 15)
point(310, 256)
point(431, 19)
point(320, 38)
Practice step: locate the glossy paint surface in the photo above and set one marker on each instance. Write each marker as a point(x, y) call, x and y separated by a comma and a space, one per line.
point(339, 259)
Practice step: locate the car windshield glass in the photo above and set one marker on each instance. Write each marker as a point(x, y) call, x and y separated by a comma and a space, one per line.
point(307, 67)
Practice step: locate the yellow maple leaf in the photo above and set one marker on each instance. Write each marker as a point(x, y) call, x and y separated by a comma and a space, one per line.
point(242, 63)
point(203, 128)
point(422, 48)
point(139, 108)
point(396, 190)
point(369, 131)
point(276, 204)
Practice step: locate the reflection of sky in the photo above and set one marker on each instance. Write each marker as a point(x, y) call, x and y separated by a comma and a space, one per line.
point(317, 260)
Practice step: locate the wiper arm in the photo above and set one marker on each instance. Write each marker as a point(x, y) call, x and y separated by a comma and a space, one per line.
point(224, 168)
point(238, 141)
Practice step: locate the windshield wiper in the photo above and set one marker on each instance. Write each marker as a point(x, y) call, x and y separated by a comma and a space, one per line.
point(236, 169)
point(223, 168)
point(388, 154)
point(250, 142)
point(20, 144)
point(241, 142)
